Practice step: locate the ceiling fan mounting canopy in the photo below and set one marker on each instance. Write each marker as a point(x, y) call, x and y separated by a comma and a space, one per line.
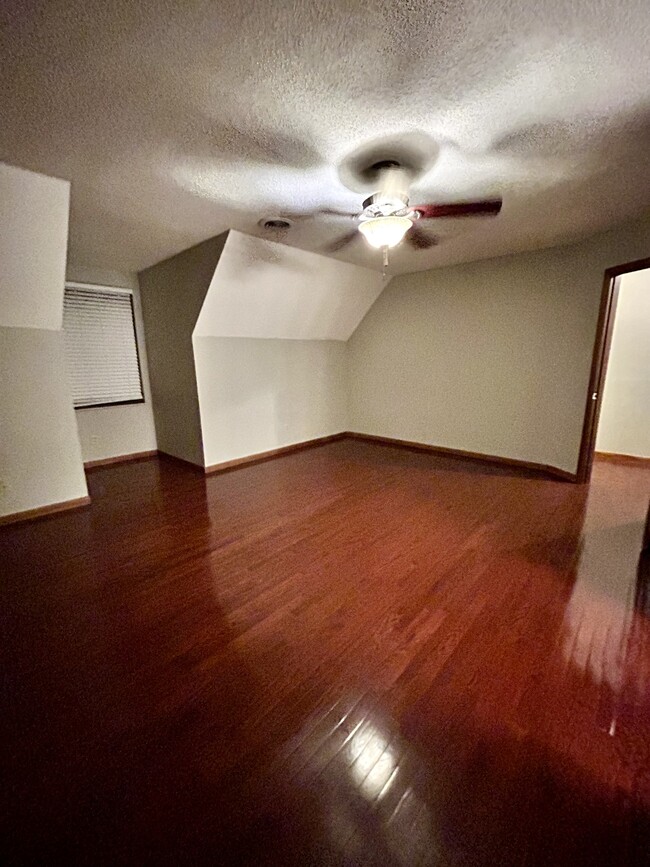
point(384, 164)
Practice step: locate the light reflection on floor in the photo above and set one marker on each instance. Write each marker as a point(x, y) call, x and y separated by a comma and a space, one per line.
point(606, 617)
point(367, 785)
point(371, 797)
point(373, 766)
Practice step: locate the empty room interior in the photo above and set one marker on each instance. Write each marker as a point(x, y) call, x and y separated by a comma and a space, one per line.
point(325, 433)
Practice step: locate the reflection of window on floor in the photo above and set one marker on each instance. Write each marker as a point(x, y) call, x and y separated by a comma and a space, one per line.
point(101, 347)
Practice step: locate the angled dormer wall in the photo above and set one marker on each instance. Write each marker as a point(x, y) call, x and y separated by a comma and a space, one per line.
point(172, 294)
point(270, 346)
point(247, 346)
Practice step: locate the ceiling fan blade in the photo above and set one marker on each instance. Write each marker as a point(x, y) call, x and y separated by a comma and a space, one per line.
point(332, 212)
point(320, 212)
point(341, 242)
point(489, 207)
point(419, 239)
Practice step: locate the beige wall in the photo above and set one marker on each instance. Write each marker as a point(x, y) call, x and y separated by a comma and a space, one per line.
point(40, 455)
point(624, 426)
point(256, 395)
point(491, 357)
point(110, 431)
point(172, 294)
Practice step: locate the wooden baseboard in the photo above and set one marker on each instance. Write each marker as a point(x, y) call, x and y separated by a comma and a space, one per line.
point(120, 459)
point(630, 460)
point(54, 508)
point(43, 511)
point(272, 453)
point(460, 453)
point(387, 441)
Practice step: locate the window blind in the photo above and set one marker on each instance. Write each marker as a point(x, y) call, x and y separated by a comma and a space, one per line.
point(100, 345)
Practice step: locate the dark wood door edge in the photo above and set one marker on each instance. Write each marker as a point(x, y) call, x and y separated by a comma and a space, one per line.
point(600, 355)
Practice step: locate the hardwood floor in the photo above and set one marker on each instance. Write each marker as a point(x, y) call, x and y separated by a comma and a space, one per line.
point(350, 655)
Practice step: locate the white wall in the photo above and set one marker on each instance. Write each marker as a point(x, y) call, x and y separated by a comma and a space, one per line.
point(491, 357)
point(269, 346)
point(268, 290)
point(40, 455)
point(258, 395)
point(33, 240)
point(111, 431)
point(624, 426)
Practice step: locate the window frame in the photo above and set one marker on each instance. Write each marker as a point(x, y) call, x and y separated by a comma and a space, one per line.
point(98, 287)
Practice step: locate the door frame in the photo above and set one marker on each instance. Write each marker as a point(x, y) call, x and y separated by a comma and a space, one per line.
point(600, 357)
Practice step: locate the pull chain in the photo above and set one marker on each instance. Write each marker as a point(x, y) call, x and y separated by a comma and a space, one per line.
point(385, 253)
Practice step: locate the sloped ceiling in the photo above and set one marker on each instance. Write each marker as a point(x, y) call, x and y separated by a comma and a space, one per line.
point(176, 121)
point(268, 290)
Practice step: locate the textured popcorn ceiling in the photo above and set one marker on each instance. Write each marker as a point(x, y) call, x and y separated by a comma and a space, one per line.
point(177, 120)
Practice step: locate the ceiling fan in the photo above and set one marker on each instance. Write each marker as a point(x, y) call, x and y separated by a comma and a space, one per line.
point(387, 217)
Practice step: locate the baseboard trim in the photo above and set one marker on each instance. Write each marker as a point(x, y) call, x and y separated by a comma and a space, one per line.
point(260, 457)
point(272, 453)
point(44, 511)
point(630, 460)
point(120, 459)
point(460, 453)
point(442, 451)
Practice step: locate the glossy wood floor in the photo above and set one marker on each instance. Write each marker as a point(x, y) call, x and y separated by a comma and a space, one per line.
point(351, 655)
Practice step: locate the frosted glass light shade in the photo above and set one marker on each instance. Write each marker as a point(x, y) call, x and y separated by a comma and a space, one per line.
point(385, 231)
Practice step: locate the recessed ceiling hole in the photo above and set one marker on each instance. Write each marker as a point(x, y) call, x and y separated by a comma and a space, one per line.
point(416, 152)
point(384, 164)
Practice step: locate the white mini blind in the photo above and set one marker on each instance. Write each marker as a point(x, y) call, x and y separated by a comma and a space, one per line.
point(101, 348)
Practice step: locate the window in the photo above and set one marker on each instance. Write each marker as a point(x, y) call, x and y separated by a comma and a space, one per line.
point(100, 344)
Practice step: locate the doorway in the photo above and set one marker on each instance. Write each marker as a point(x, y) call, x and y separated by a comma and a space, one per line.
point(622, 401)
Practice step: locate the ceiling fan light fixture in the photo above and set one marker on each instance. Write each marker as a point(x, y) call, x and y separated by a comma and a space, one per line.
point(385, 231)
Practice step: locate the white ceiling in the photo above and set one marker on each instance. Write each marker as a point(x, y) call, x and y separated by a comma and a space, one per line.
point(177, 120)
point(268, 290)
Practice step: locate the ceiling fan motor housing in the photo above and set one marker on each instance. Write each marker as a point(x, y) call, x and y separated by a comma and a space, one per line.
point(392, 196)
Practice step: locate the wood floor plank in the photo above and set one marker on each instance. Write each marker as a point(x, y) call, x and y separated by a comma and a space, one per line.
point(348, 655)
